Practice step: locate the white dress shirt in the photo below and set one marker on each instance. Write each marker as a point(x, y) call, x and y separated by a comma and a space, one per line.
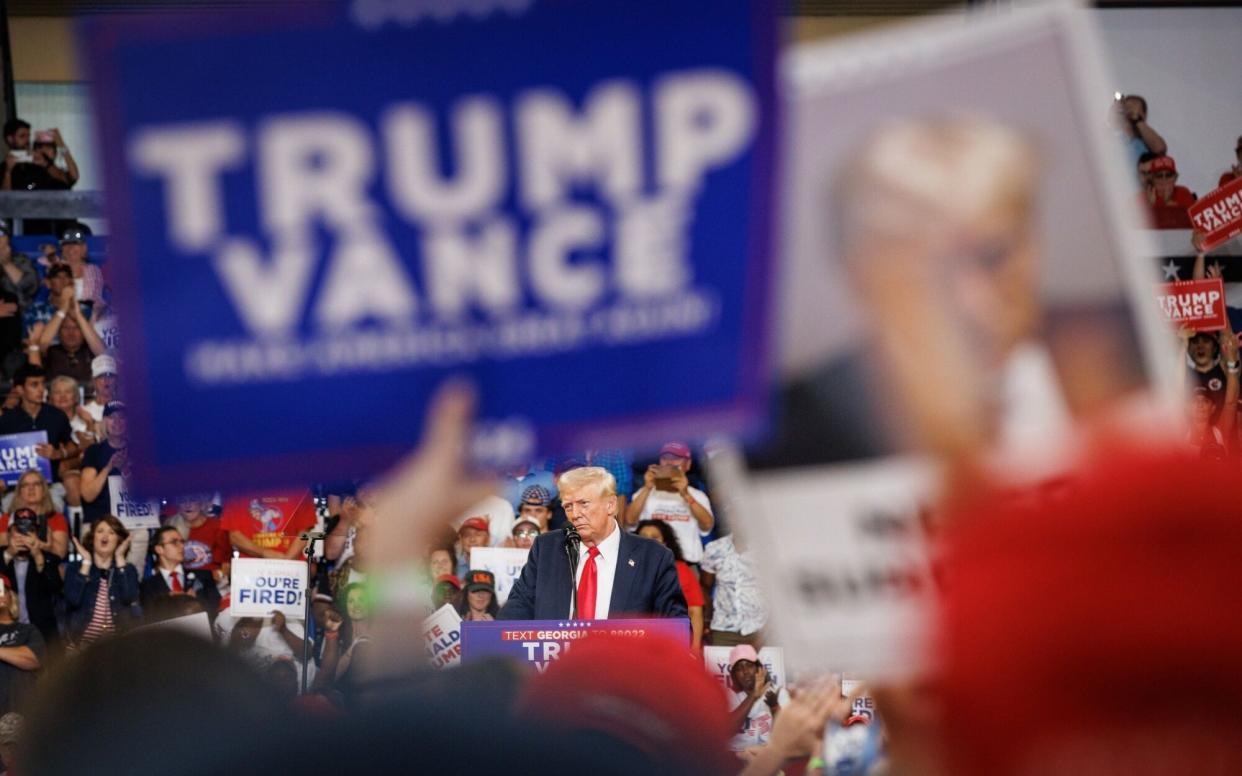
point(605, 571)
point(167, 574)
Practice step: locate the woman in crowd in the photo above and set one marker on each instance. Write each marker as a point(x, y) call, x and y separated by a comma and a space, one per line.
point(441, 562)
point(101, 592)
point(661, 532)
point(479, 603)
point(52, 530)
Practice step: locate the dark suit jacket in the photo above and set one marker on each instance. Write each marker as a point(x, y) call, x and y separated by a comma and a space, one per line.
point(41, 591)
point(154, 586)
point(645, 583)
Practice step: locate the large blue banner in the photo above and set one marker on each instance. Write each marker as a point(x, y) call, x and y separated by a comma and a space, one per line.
point(321, 211)
point(539, 641)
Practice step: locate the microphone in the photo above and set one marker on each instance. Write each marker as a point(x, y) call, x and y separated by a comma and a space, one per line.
point(572, 544)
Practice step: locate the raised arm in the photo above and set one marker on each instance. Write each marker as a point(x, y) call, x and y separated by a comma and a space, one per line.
point(1229, 409)
point(89, 332)
point(635, 508)
point(71, 167)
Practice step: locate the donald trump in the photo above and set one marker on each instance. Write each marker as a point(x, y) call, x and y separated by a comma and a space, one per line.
point(616, 573)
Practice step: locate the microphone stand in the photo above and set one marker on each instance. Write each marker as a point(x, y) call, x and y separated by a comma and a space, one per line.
point(572, 542)
point(310, 537)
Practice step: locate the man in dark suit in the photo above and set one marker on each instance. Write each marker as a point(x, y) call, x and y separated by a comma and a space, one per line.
point(172, 579)
point(35, 575)
point(618, 574)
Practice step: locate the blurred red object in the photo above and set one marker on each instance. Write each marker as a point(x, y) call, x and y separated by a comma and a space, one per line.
point(1100, 630)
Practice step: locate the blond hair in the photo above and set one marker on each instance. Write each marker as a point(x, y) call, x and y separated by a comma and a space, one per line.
point(933, 167)
point(578, 478)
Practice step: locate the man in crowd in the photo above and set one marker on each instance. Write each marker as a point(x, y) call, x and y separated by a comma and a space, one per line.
point(536, 505)
point(103, 385)
point(525, 532)
point(79, 342)
point(269, 526)
point(35, 575)
point(735, 612)
point(1205, 368)
point(35, 414)
point(59, 277)
point(103, 460)
point(1165, 201)
point(1131, 119)
point(171, 578)
point(474, 532)
point(666, 495)
point(754, 701)
point(616, 572)
point(515, 483)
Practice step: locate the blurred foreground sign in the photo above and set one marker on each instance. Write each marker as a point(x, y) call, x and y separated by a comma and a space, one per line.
point(326, 209)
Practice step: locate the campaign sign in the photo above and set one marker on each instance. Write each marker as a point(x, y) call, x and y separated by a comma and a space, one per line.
point(1218, 214)
point(259, 586)
point(442, 635)
point(340, 204)
point(538, 642)
point(773, 659)
point(505, 562)
point(18, 456)
point(1194, 304)
point(131, 511)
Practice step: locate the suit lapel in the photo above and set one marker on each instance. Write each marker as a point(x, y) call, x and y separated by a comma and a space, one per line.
point(623, 579)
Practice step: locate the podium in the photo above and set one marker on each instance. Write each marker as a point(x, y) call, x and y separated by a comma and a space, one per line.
point(537, 642)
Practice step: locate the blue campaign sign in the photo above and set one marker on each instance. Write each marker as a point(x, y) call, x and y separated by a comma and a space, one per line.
point(321, 211)
point(537, 642)
point(18, 456)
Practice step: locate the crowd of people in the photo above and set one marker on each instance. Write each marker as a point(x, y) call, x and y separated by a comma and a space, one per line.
point(78, 586)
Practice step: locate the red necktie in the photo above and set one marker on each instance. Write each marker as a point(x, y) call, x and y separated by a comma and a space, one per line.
point(586, 587)
point(176, 578)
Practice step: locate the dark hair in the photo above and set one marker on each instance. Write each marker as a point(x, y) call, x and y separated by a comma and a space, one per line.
point(60, 268)
point(1140, 99)
point(666, 531)
point(493, 607)
point(1146, 157)
point(12, 125)
point(115, 524)
point(26, 371)
point(158, 539)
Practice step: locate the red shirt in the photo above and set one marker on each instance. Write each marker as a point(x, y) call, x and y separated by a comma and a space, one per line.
point(1225, 179)
point(690, 587)
point(207, 547)
point(272, 522)
point(1172, 215)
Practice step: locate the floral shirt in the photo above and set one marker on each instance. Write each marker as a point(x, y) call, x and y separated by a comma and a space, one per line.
point(738, 606)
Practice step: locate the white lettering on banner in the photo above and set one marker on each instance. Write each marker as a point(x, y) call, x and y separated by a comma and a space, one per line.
point(133, 513)
point(442, 637)
point(1197, 304)
point(1220, 213)
point(621, 261)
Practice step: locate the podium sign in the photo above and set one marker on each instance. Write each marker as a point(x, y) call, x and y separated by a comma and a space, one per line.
point(538, 642)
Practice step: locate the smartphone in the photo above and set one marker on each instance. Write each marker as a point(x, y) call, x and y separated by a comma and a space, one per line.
point(664, 478)
point(22, 156)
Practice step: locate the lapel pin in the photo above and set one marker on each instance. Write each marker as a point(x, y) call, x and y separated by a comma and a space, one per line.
point(631, 563)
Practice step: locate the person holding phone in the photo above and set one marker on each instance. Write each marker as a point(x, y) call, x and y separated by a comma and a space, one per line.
point(756, 700)
point(666, 495)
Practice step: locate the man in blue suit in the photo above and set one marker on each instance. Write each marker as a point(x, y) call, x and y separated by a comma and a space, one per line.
point(618, 574)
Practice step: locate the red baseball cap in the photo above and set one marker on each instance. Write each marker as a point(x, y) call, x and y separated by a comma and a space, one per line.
point(676, 714)
point(475, 522)
point(452, 579)
point(1098, 631)
point(1163, 163)
point(679, 449)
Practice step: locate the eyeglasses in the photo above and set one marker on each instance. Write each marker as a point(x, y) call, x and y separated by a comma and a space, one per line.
point(526, 534)
point(173, 541)
point(1164, 174)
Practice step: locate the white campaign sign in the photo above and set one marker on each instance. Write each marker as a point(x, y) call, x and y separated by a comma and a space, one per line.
point(773, 659)
point(260, 586)
point(853, 593)
point(505, 562)
point(442, 635)
point(133, 513)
